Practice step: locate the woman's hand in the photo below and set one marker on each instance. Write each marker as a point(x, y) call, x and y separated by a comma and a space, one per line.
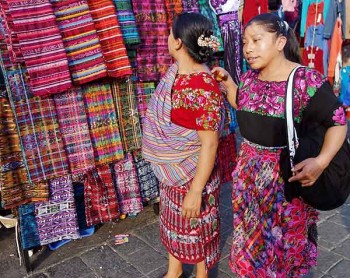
point(307, 171)
point(220, 74)
point(191, 205)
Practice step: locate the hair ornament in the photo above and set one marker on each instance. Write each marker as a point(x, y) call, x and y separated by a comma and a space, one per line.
point(286, 25)
point(211, 42)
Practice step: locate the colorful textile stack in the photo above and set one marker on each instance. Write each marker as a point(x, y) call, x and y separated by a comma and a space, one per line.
point(108, 29)
point(127, 22)
point(41, 45)
point(128, 116)
point(101, 202)
point(128, 187)
point(103, 125)
point(227, 156)
point(81, 42)
point(57, 218)
point(75, 131)
point(148, 182)
point(173, 8)
point(18, 88)
point(41, 139)
point(28, 226)
point(143, 91)
point(153, 58)
point(14, 185)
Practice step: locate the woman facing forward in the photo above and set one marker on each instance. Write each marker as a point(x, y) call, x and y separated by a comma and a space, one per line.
point(181, 132)
point(273, 237)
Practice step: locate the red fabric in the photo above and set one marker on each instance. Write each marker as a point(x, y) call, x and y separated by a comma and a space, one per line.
point(313, 58)
point(253, 8)
point(197, 102)
point(315, 14)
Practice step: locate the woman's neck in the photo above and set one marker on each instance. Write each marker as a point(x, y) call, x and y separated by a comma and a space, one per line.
point(187, 66)
point(277, 70)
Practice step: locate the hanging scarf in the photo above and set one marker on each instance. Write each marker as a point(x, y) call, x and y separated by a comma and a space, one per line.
point(172, 150)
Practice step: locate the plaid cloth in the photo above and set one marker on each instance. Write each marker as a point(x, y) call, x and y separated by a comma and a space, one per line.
point(75, 131)
point(149, 184)
point(227, 157)
point(80, 39)
point(41, 45)
point(57, 218)
point(144, 91)
point(41, 140)
point(127, 185)
point(127, 22)
point(173, 8)
point(14, 186)
point(190, 6)
point(108, 29)
point(153, 58)
point(103, 125)
point(128, 116)
point(28, 227)
point(101, 204)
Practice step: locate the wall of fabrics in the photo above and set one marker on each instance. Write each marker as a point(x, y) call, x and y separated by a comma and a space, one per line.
point(76, 77)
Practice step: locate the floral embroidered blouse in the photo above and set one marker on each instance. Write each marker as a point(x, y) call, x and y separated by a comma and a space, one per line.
point(261, 106)
point(197, 102)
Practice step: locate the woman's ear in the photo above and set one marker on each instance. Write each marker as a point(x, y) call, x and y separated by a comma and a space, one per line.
point(178, 44)
point(281, 42)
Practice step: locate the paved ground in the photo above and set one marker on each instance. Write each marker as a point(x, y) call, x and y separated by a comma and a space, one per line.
point(144, 256)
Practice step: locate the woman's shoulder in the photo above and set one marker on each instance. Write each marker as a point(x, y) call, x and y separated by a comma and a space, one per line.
point(309, 80)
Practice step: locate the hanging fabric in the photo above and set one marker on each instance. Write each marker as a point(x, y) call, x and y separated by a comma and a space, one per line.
point(75, 131)
point(80, 40)
point(190, 6)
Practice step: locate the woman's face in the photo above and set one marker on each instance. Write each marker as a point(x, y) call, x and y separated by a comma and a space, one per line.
point(259, 46)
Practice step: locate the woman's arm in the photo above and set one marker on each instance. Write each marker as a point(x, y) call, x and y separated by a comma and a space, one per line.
point(221, 75)
point(308, 171)
point(192, 202)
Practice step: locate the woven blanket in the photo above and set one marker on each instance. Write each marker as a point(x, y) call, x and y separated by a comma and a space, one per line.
point(57, 218)
point(127, 114)
point(101, 204)
point(127, 185)
point(173, 8)
point(80, 40)
point(144, 91)
point(227, 157)
point(14, 186)
point(41, 45)
point(190, 6)
point(110, 35)
point(149, 184)
point(153, 58)
point(127, 22)
point(103, 124)
point(41, 139)
point(75, 131)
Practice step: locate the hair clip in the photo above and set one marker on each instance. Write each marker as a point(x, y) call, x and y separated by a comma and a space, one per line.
point(211, 42)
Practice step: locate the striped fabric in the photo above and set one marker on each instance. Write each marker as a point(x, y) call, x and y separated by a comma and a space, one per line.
point(153, 58)
point(173, 8)
point(127, 22)
point(75, 131)
point(12, 38)
point(128, 187)
point(103, 125)
point(57, 218)
point(28, 227)
point(108, 30)
point(227, 157)
point(179, 147)
point(80, 40)
point(101, 204)
point(14, 186)
point(41, 45)
point(144, 91)
point(127, 114)
point(148, 182)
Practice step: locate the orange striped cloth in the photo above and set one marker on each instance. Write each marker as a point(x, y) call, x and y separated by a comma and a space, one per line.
point(111, 39)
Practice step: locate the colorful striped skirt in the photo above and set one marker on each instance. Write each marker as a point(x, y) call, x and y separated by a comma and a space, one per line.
point(271, 237)
point(196, 239)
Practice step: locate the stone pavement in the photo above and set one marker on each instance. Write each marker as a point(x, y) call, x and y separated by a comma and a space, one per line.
point(144, 256)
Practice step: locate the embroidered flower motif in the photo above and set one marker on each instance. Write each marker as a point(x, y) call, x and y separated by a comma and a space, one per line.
point(339, 116)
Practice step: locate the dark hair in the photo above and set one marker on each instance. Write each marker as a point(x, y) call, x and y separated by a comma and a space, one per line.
point(274, 24)
point(189, 27)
